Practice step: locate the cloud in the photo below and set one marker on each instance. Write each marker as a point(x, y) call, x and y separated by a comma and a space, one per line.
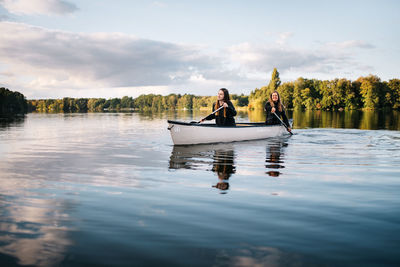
point(263, 58)
point(52, 63)
point(159, 4)
point(283, 37)
point(59, 59)
point(325, 59)
point(39, 7)
point(4, 17)
point(351, 44)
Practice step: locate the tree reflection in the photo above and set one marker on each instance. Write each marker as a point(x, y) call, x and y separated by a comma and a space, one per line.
point(274, 157)
point(356, 119)
point(11, 120)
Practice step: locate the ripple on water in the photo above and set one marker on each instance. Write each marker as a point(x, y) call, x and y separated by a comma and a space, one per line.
point(320, 197)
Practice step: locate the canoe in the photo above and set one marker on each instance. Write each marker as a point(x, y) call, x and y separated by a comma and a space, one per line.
point(184, 133)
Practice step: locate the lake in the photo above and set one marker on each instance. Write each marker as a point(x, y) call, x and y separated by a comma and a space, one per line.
point(110, 189)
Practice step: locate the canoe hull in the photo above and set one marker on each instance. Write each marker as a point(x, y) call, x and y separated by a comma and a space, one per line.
point(185, 133)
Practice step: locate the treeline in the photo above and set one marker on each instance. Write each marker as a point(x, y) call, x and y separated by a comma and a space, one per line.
point(143, 102)
point(68, 104)
point(12, 102)
point(364, 93)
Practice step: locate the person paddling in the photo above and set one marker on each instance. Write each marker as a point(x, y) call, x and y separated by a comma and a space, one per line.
point(225, 116)
point(272, 106)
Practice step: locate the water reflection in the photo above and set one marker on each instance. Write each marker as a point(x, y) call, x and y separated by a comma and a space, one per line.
point(357, 119)
point(261, 256)
point(33, 230)
point(223, 166)
point(218, 158)
point(94, 190)
point(12, 120)
point(274, 157)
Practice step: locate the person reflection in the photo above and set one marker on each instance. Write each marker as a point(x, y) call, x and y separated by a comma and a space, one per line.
point(274, 158)
point(201, 157)
point(223, 166)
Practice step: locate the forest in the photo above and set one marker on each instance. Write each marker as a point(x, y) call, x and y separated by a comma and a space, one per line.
point(311, 94)
point(12, 102)
point(149, 102)
point(364, 93)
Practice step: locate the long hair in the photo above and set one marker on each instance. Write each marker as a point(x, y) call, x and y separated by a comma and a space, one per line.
point(278, 103)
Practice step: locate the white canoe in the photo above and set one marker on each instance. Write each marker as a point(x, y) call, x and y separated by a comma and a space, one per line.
point(184, 133)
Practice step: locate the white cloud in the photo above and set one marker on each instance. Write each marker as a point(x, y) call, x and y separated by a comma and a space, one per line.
point(159, 4)
point(283, 37)
point(51, 63)
point(263, 58)
point(4, 17)
point(50, 59)
point(326, 59)
point(351, 44)
point(38, 7)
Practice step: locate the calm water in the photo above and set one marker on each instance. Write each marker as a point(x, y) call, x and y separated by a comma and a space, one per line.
point(110, 189)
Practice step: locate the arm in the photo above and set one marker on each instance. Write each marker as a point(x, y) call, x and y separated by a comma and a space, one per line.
point(210, 117)
point(268, 107)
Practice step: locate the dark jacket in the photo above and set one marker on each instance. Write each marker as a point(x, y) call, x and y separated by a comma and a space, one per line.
point(220, 120)
point(272, 119)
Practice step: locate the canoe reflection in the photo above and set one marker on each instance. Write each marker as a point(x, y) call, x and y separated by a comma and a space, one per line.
point(220, 157)
point(274, 157)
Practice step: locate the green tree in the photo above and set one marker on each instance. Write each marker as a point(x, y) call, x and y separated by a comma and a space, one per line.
point(200, 102)
point(299, 85)
point(241, 100)
point(394, 90)
point(81, 104)
point(308, 100)
point(274, 82)
point(330, 97)
point(370, 91)
point(285, 91)
point(115, 103)
point(258, 97)
point(351, 94)
point(12, 102)
point(96, 104)
point(157, 103)
point(185, 102)
point(172, 100)
point(127, 102)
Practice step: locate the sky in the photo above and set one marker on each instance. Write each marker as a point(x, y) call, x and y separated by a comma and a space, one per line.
point(116, 48)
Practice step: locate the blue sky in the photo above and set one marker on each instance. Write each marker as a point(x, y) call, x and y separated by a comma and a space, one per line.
point(104, 48)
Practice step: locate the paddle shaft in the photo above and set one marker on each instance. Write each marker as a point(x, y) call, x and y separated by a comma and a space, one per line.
point(287, 128)
point(210, 114)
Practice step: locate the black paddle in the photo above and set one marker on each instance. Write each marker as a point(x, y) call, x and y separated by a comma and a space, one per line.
point(207, 115)
point(287, 128)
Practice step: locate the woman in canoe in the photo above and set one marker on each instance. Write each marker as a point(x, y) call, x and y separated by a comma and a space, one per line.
point(272, 106)
point(224, 116)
